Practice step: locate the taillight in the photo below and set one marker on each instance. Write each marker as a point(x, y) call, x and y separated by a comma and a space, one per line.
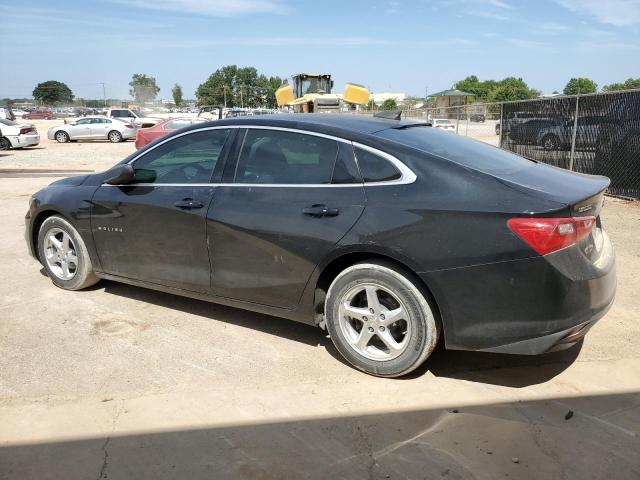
point(546, 235)
point(128, 125)
point(24, 131)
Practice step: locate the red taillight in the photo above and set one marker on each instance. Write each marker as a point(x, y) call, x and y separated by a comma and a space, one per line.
point(546, 235)
point(128, 125)
point(24, 131)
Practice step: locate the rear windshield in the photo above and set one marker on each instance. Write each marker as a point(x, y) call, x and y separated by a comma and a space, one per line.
point(467, 152)
point(7, 122)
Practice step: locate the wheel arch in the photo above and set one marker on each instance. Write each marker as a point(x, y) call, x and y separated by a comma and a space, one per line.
point(337, 264)
point(37, 222)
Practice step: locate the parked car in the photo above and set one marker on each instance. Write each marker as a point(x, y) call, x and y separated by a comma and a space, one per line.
point(443, 124)
point(17, 135)
point(558, 135)
point(40, 113)
point(144, 136)
point(133, 116)
point(387, 233)
point(6, 113)
point(93, 128)
point(18, 112)
point(528, 132)
point(477, 117)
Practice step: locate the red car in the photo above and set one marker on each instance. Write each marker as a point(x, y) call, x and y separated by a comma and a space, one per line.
point(144, 136)
point(41, 113)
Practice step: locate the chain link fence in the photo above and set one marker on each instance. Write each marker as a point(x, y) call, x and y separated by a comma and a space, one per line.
point(596, 134)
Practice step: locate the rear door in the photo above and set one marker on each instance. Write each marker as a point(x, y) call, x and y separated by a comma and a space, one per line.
point(154, 229)
point(100, 127)
point(290, 198)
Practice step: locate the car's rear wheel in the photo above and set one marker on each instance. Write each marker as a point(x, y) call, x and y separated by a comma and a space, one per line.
point(379, 320)
point(64, 255)
point(62, 137)
point(5, 144)
point(114, 136)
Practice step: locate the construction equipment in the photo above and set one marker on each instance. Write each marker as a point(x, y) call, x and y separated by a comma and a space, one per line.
point(311, 92)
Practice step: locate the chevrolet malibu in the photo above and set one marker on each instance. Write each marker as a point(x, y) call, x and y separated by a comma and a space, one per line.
point(388, 234)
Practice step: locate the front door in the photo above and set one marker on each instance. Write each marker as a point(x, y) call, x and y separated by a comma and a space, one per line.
point(154, 229)
point(282, 214)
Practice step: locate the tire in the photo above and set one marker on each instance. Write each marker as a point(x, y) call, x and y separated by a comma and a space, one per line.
point(379, 288)
point(62, 137)
point(5, 144)
point(550, 142)
point(114, 136)
point(68, 250)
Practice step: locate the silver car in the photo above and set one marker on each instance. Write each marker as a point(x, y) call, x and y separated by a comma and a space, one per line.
point(93, 128)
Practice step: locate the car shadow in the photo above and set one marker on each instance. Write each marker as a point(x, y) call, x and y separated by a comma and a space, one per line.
point(515, 371)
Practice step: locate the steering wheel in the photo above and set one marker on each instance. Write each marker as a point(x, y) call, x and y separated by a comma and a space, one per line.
point(193, 171)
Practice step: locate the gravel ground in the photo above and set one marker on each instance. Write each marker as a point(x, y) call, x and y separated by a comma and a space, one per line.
point(120, 382)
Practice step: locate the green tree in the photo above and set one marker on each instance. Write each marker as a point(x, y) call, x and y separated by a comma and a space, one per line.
point(176, 92)
point(510, 88)
point(389, 104)
point(233, 86)
point(628, 84)
point(52, 92)
point(580, 85)
point(143, 88)
point(471, 84)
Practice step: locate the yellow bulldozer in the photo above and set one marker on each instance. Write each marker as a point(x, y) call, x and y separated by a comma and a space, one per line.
point(311, 93)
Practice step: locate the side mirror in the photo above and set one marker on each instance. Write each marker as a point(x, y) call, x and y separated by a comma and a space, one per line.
point(120, 175)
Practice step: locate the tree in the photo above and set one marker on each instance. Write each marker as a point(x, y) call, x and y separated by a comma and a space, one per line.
point(389, 104)
point(580, 85)
point(52, 92)
point(235, 86)
point(510, 88)
point(628, 84)
point(143, 88)
point(176, 92)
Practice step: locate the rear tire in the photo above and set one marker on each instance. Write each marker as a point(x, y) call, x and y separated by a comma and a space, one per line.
point(64, 255)
point(379, 320)
point(114, 136)
point(5, 144)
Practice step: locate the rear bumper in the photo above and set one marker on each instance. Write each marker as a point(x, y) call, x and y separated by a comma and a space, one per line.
point(18, 141)
point(529, 306)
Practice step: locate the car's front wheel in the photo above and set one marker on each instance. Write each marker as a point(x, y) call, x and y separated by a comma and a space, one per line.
point(64, 255)
point(379, 320)
point(62, 137)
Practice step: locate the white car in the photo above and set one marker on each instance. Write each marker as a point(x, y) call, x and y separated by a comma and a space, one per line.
point(17, 135)
point(93, 128)
point(443, 123)
point(132, 116)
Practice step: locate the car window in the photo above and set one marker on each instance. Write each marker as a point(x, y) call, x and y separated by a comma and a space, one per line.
point(374, 168)
point(176, 124)
point(464, 151)
point(119, 113)
point(274, 156)
point(84, 121)
point(186, 159)
point(8, 123)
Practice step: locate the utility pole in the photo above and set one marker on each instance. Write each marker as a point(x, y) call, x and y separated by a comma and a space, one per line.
point(224, 91)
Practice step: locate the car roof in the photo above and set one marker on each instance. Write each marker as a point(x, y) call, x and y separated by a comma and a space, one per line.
point(361, 124)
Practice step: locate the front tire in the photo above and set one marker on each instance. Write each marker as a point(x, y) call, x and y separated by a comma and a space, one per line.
point(114, 136)
point(62, 137)
point(64, 255)
point(379, 320)
point(550, 142)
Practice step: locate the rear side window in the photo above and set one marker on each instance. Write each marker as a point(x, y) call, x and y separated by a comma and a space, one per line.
point(374, 168)
point(280, 157)
point(470, 153)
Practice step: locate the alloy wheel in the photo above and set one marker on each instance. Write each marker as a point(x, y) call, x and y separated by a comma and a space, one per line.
point(374, 321)
point(60, 253)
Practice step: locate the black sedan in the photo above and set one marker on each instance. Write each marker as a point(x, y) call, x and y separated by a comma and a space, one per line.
point(389, 234)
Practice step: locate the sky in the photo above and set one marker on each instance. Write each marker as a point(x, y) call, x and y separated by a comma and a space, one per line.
point(388, 45)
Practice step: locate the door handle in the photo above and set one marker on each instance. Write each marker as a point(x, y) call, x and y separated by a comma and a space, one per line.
point(320, 211)
point(188, 204)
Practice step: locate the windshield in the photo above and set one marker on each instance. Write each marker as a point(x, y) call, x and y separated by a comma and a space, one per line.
point(8, 123)
point(464, 151)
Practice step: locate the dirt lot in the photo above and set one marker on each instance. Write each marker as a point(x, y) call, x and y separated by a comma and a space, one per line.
point(120, 382)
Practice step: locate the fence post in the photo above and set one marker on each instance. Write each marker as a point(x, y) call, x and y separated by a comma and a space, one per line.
point(466, 116)
point(457, 118)
point(573, 135)
point(501, 124)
